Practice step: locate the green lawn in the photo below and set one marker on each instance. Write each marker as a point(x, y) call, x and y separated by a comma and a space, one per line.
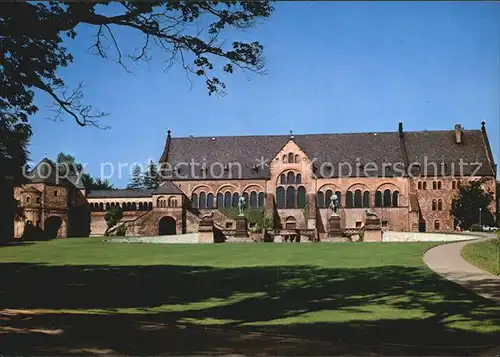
point(483, 254)
point(362, 298)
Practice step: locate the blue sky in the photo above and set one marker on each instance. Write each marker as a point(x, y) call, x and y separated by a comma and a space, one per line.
point(332, 67)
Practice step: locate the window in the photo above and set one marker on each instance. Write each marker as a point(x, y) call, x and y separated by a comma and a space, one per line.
point(358, 224)
point(433, 205)
point(339, 196)
point(290, 223)
point(366, 199)
point(260, 199)
point(280, 197)
point(290, 158)
point(395, 198)
point(453, 185)
point(358, 201)
point(328, 194)
point(301, 197)
point(253, 199)
point(387, 198)
point(37, 200)
point(434, 185)
point(440, 205)
point(194, 200)
point(236, 199)
point(436, 225)
point(290, 178)
point(349, 200)
point(228, 199)
point(439, 185)
point(290, 197)
point(285, 159)
point(419, 185)
point(203, 201)
point(458, 184)
point(297, 159)
point(28, 199)
point(298, 179)
point(320, 199)
point(378, 199)
point(220, 200)
point(424, 185)
point(56, 193)
point(210, 201)
point(283, 179)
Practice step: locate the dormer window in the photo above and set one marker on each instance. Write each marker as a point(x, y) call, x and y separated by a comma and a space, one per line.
point(28, 199)
point(56, 193)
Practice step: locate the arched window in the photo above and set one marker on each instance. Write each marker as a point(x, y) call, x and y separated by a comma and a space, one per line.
point(320, 199)
point(298, 179)
point(260, 199)
point(458, 184)
point(296, 159)
point(339, 198)
point(439, 185)
point(290, 197)
point(453, 185)
point(349, 200)
point(387, 198)
point(366, 199)
point(112, 205)
point(245, 195)
point(378, 199)
point(134, 206)
point(28, 199)
point(395, 198)
point(440, 205)
point(358, 201)
point(101, 206)
point(291, 223)
point(328, 194)
point(290, 158)
point(283, 179)
point(253, 199)
point(210, 201)
point(220, 200)
point(434, 205)
point(419, 185)
point(301, 197)
point(129, 206)
point(203, 200)
point(150, 205)
point(424, 185)
point(236, 198)
point(434, 185)
point(194, 200)
point(436, 225)
point(285, 159)
point(290, 178)
point(140, 206)
point(227, 199)
point(280, 197)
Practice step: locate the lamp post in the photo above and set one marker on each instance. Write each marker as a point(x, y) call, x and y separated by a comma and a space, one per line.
point(480, 218)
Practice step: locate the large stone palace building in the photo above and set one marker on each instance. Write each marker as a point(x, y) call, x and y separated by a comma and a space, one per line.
point(409, 179)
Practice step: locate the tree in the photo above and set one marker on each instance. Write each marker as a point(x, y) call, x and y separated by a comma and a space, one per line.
point(112, 218)
point(32, 55)
point(151, 176)
point(100, 184)
point(472, 202)
point(137, 180)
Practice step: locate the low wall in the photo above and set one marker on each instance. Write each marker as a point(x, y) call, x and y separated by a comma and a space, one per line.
point(177, 239)
point(424, 237)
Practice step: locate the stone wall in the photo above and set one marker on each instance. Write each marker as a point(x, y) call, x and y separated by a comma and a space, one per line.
point(423, 237)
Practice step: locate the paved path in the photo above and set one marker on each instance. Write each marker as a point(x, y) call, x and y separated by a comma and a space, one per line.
point(447, 261)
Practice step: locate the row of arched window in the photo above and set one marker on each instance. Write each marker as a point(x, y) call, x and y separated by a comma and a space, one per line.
point(359, 199)
point(291, 197)
point(455, 184)
point(126, 206)
point(291, 158)
point(227, 200)
point(437, 205)
point(437, 185)
point(290, 178)
point(162, 202)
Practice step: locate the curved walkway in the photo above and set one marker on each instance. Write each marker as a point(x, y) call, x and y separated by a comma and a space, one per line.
point(447, 261)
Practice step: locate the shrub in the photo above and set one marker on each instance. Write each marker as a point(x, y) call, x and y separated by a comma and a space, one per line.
point(475, 228)
point(121, 231)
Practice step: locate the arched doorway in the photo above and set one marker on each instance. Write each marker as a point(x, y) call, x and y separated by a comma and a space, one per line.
point(52, 226)
point(166, 227)
point(421, 225)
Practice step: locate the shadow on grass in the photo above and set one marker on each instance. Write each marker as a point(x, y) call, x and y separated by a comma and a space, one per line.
point(378, 305)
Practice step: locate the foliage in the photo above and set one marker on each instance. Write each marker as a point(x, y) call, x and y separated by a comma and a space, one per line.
point(137, 180)
point(475, 227)
point(472, 198)
point(112, 218)
point(33, 55)
point(75, 168)
point(151, 176)
point(484, 254)
point(253, 215)
point(267, 222)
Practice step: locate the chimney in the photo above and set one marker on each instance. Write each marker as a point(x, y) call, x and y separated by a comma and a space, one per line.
point(401, 129)
point(458, 133)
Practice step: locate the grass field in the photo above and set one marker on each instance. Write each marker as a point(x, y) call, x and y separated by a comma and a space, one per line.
point(92, 297)
point(484, 255)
